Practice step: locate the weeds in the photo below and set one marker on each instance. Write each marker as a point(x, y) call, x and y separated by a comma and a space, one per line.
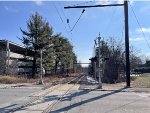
point(14, 79)
point(142, 82)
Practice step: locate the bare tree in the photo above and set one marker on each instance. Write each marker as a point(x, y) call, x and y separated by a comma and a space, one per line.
point(114, 68)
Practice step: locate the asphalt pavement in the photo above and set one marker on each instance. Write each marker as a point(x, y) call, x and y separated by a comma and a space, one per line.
point(87, 101)
point(81, 98)
point(12, 95)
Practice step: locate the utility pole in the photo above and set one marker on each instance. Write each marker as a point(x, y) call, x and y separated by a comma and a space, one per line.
point(94, 76)
point(125, 4)
point(7, 57)
point(127, 44)
point(99, 63)
point(41, 67)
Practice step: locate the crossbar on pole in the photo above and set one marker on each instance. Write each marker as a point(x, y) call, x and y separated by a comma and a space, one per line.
point(93, 6)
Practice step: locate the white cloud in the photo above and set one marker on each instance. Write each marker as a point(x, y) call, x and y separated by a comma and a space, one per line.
point(136, 39)
point(147, 56)
point(39, 2)
point(120, 1)
point(11, 9)
point(145, 9)
point(103, 2)
point(145, 30)
point(131, 1)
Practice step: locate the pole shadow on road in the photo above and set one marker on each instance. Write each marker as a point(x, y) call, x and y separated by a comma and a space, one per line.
point(85, 101)
point(9, 108)
point(15, 107)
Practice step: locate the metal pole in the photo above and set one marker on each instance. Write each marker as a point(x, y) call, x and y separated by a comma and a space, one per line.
point(99, 61)
point(94, 70)
point(127, 44)
point(41, 68)
point(126, 33)
point(7, 58)
point(93, 6)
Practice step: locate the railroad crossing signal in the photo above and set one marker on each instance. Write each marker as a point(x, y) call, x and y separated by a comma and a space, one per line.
point(125, 4)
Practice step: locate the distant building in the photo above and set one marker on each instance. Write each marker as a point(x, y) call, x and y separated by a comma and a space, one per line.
point(14, 58)
point(147, 64)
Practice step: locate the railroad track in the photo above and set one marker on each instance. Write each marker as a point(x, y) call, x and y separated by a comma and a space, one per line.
point(47, 91)
point(51, 106)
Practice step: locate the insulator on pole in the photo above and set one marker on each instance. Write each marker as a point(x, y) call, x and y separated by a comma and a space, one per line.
point(67, 20)
point(83, 10)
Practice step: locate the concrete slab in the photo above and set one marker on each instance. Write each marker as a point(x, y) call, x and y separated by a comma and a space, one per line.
point(84, 98)
point(104, 102)
point(53, 95)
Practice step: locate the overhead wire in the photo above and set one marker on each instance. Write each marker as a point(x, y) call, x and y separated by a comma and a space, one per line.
point(123, 28)
point(71, 35)
point(83, 3)
point(110, 21)
point(71, 29)
point(64, 24)
point(66, 19)
point(139, 25)
point(122, 33)
point(60, 18)
point(78, 19)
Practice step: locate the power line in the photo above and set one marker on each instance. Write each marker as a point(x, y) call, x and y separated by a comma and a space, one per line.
point(123, 28)
point(60, 17)
point(83, 3)
point(111, 18)
point(139, 25)
point(78, 19)
point(65, 18)
point(71, 35)
point(64, 23)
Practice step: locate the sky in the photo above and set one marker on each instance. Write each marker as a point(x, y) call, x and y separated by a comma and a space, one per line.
point(108, 21)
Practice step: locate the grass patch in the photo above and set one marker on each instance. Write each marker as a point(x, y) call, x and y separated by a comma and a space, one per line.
point(145, 75)
point(142, 82)
point(14, 79)
point(11, 80)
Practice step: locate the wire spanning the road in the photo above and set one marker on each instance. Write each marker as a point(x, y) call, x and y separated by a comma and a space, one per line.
point(67, 23)
point(83, 3)
point(139, 25)
point(60, 17)
point(64, 23)
point(78, 19)
point(110, 21)
point(65, 18)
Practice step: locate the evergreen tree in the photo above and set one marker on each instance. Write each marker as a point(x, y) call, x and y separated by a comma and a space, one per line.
point(64, 54)
point(37, 36)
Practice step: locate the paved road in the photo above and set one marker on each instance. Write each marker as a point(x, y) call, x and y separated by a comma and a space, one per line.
point(11, 96)
point(82, 98)
point(86, 101)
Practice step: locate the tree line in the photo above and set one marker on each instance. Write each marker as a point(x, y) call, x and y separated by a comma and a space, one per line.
point(113, 63)
point(57, 50)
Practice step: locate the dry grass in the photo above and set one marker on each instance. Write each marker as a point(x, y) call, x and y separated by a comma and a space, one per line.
point(142, 82)
point(11, 80)
point(14, 79)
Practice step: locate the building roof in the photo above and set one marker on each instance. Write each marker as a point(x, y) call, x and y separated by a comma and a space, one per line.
point(16, 48)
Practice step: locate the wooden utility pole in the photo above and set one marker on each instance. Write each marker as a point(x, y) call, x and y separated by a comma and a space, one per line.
point(126, 33)
point(127, 44)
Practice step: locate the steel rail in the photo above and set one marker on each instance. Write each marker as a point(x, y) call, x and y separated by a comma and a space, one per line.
point(35, 98)
point(51, 106)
